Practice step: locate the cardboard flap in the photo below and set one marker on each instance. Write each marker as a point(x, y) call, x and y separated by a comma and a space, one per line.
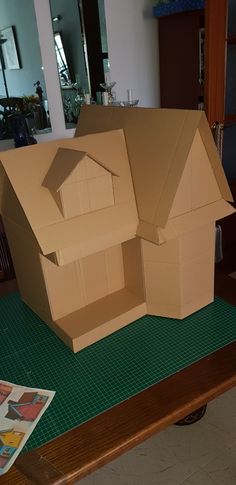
point(149, 232)
point(63, 164)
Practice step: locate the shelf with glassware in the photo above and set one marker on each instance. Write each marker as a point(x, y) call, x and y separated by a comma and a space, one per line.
point(74, 98)
point(109, 97)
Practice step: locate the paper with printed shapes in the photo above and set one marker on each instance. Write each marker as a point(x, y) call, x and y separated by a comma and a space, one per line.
point(21, 408)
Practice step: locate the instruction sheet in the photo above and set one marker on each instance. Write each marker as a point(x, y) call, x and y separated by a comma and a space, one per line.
point(21, 408)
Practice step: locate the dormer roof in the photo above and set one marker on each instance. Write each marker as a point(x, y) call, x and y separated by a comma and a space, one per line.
point(65, 162)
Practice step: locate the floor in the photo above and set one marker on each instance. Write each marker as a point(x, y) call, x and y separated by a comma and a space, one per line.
point(203, 453)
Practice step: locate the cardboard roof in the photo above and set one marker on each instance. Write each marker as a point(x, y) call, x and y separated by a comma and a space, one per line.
point(26, 169)
point(63, 165)
point(159, 142)
point(163, 147)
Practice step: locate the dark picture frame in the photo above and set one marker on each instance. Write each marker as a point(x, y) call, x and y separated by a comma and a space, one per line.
point(9, 49)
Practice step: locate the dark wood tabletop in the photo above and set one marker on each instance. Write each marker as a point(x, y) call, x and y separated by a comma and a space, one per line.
point(82, 450)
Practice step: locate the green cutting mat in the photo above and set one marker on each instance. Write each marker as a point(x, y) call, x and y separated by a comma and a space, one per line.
point(108, 372)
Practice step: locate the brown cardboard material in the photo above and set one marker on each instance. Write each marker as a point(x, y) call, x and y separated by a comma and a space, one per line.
point(52, 231)
point(101, 318)
point(116, 222)
point(26, 258)
point(79, 183)
point(175, 311)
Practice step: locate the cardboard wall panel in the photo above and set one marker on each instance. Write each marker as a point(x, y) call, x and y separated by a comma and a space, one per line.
point(101, 192)
point(81, 173)
point(183, 199)
point(133, 267)
point(102, 273)
point(26, 259)
point(11, 208)
point(199, 302)
point(162, 283)
point(196, 277)
point(93, 169)
point(179, 273)
point(168, 252)
point(94, 276)
point(114, 268)
point(195, 243)
point(180, 311)
point(64, 287)
point(70, 195)
point(75, 285)
point(164, 309)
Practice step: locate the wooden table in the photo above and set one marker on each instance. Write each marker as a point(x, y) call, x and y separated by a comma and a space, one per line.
point(72, 456)
point(95, 443)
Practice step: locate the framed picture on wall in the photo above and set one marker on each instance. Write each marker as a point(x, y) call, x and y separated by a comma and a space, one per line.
point(9, 49)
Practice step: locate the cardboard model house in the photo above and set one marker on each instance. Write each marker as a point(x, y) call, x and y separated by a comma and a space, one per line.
point(116, 222)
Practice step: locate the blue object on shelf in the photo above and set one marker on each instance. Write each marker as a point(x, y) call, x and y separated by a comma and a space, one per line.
point(177, 6)
point(20, 132)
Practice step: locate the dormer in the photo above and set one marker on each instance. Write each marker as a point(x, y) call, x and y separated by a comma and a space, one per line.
point(79, 183)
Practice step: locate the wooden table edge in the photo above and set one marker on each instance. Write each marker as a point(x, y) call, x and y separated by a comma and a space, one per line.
point(82, 450)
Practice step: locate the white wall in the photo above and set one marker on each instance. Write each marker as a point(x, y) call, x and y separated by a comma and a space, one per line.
point(133, 49)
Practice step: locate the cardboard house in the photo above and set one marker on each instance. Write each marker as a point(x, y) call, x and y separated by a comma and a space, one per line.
point(117, 222)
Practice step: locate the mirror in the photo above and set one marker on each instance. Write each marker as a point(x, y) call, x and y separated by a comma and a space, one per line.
point(80, 39)
point(22, 86)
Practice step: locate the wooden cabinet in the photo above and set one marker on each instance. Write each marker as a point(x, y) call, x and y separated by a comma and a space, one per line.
point(220, 87)
point(179, 53)
point(180, 60)
point(220, 21)
point(220, 106)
